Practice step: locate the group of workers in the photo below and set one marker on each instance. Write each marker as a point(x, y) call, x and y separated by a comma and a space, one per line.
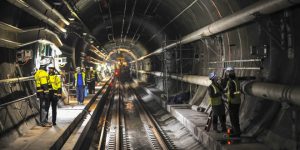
point(49, 90)
point(221, 91)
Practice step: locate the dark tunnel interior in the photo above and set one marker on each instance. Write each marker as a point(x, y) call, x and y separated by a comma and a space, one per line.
point(171, 45)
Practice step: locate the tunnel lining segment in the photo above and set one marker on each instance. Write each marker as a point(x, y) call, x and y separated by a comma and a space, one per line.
point(234, 20)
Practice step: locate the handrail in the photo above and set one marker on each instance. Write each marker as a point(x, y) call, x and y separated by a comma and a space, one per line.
point(17, 100)
point(17, 79)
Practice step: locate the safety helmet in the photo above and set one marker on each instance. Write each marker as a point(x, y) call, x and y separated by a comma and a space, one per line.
point(43, 62)
point(78, 69)
point(212, 75)
point(228, 69)
point(51, 66)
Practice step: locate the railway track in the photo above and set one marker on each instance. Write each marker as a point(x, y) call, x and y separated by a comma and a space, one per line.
point(120, 121)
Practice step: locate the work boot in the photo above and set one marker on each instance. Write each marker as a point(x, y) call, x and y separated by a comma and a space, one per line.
point(46, 125)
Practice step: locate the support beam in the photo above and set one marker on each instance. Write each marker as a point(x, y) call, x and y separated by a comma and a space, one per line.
point(234, 20)
point(270, 91)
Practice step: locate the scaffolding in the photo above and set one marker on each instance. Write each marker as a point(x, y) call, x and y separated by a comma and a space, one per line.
point(178, 52)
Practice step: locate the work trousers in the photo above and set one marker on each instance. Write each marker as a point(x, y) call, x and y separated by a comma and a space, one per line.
point(219, 113)
point(234, 117)
point(80, 93)
point(44, 104)
point(91, 86)
point(53, 100)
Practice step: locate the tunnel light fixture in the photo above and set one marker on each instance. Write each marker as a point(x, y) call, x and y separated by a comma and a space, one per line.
point(84, 33)
point(71, 19)
point(91, 41)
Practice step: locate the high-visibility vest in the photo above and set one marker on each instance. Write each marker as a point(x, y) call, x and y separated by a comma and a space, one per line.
point(41, 78)
point(215, 100)
point(237, 93)
point(83, 78)
point(54, 82)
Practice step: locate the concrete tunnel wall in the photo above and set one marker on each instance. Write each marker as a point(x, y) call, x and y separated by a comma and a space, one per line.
point(272, 122)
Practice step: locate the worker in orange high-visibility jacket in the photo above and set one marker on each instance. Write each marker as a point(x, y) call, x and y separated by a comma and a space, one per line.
point(42, 86)
point(55, 85)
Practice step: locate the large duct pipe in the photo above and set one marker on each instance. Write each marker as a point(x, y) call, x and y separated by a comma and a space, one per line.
point(44, 7)
point(240, 17)
point(27, 8)
point(270, 91)
point(274, 92)
point(193, 79)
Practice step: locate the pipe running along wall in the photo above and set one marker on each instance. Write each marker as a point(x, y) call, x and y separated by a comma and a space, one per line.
point(27, 8)
point(270, 91)
point(240, 17)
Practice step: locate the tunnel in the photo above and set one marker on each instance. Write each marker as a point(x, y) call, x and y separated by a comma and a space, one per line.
point(152, 62)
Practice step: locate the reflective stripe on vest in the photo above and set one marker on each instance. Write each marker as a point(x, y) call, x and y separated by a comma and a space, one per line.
point(215, 100)
point(41, 78)
point(237, 93)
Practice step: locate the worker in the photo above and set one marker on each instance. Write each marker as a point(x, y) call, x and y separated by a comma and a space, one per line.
point(80, 85)
point(218, 108)
point(41, 79)
point(55, 91)
point(91, 80)
point(233, 94)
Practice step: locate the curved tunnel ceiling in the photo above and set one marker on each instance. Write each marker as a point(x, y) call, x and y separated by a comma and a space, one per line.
point(150, 22)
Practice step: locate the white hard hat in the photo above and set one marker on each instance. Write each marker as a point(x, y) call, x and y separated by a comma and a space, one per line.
point(43, 62)
point(229, 69)
point(51, 66)
point(78, 68)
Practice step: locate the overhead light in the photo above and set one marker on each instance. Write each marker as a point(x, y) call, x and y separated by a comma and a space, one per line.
point(92, 41)
point(71, 19)
point(84, 33)
point(97, 46)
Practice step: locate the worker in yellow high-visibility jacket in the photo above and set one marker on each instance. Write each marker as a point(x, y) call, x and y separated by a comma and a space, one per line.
point(55, 91)
point(217, 104)
point(233, 94)
point(42, 86)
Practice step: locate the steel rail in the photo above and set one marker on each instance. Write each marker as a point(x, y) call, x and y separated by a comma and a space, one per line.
point(88, 132)
point(103, 124)
point(146, 115)
point(71, 128)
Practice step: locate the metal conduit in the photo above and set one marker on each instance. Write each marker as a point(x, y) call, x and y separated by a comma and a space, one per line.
point(22, 79)
point(27, 8)
point(43, 6)
point(270, 91)
point(240, 17)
